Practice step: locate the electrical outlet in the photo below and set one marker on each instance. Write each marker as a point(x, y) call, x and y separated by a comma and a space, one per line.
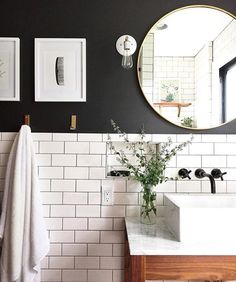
point(107, 196)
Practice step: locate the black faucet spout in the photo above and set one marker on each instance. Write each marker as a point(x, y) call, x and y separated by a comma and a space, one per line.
point(212, 181)
point(200, 173)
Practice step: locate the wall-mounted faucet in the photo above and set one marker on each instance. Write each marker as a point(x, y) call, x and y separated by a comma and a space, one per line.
point(184, 173)
point(217, 173)
point(200, 173)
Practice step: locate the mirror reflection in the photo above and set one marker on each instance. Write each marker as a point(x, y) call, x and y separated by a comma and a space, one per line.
point(187, 67)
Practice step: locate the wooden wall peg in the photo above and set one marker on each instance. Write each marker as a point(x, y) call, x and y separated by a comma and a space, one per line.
point(27, 120)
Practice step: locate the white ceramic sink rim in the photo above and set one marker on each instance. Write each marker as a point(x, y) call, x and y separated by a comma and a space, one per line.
point(203, 200)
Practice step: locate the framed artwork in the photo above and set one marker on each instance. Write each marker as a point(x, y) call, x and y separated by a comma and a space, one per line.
point(169, 90)
point(9, 69)
point(60, 69)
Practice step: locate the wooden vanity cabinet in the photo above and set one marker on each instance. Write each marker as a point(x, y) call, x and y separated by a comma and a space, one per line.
point(139, 268)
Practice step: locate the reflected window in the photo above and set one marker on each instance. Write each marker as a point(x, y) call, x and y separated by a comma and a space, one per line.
point(227, 77)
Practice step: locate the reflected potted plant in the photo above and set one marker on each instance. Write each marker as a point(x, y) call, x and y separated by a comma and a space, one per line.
point(187, 122)
point(148, 168)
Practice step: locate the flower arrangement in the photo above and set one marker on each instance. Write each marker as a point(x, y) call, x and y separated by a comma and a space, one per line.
point(149, 165)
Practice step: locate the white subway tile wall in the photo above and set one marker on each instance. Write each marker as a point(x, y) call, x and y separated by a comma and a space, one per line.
point(87, 238)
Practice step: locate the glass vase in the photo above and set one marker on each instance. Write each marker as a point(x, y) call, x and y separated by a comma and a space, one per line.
point(148, 211)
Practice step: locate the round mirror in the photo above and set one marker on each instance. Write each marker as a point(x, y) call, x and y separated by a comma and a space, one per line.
point(187, 67)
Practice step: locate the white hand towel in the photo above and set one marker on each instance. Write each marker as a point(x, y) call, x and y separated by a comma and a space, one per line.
point(22, 229)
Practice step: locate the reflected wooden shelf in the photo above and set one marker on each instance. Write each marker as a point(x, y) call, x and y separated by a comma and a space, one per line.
point(172, 104)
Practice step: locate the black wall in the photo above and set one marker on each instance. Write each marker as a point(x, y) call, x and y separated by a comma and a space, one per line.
point(111, 91)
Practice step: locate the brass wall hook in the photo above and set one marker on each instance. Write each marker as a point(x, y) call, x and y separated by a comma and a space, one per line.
point(73, 122)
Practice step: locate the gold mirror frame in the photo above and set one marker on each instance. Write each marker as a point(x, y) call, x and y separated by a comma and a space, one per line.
point(139, 56)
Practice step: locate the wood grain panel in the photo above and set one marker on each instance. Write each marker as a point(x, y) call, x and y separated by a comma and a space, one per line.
point(191, 267)
point(134, 265)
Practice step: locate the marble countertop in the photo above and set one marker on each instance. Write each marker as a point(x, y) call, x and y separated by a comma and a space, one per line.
point(157, 240)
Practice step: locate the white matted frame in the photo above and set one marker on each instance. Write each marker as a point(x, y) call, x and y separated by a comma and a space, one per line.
point(9, 69)
point(60, 69)
point(169, 90)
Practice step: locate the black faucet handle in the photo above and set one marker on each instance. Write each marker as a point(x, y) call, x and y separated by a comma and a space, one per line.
point(200, 173)
point(217, 173)
point(184, 173)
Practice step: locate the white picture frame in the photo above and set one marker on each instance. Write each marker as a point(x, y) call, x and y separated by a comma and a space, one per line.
point(169, 90)
point(60, 69)
point(9, 69)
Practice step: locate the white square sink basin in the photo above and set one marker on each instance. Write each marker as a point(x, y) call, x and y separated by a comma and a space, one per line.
point(201, 217)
